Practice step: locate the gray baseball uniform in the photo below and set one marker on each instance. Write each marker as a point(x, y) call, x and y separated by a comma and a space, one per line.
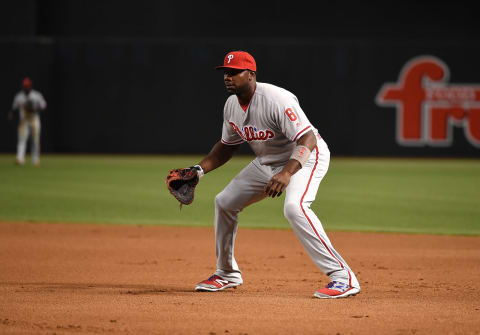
point(29, 121)
point(271, 124)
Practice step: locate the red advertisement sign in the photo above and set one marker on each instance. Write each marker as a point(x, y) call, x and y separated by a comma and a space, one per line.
point(428, 106)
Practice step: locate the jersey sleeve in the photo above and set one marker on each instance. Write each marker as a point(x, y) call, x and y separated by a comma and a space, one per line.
point(231, 134)
point(292, 120)
point(16, 102)
point(41, 101)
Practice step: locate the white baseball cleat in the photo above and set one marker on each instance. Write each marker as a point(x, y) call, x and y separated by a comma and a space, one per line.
point(335, 290)
point(215, 283)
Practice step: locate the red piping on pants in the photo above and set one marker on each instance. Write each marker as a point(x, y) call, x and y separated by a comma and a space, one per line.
point(310, 221)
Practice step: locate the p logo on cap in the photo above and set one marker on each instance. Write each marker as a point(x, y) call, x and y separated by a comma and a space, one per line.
point(241, 60)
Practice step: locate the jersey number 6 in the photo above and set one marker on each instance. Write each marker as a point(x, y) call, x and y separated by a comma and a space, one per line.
point(291, 115)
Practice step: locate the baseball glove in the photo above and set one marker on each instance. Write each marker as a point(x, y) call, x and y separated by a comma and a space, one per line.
point(181, 183)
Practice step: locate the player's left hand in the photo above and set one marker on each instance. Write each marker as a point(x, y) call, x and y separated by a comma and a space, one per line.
point(277, 184)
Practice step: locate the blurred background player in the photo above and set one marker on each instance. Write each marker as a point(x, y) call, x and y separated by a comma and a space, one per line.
point(29, 103)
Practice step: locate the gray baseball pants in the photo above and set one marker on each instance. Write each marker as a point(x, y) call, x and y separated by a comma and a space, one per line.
point(248, 187)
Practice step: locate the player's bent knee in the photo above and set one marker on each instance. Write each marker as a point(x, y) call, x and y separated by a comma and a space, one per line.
point(292, 210)
point(224, 201)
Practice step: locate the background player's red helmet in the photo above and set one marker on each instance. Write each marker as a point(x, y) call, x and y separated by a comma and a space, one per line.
point(241, 60)
point(27, 83)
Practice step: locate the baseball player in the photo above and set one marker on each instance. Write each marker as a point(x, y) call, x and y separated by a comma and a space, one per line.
point(29, 103)
point(291, 157)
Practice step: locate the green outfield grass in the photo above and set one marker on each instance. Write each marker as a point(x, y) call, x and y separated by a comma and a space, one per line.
point(389, 195)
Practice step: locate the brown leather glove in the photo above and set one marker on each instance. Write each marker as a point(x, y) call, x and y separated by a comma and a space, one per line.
point(181, 183)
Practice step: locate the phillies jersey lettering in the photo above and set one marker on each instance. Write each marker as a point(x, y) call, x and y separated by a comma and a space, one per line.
point(250, 133)
point(271, 125)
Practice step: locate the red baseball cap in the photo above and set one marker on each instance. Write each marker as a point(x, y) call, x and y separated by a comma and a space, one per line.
point(27, 83)
point(241, 60)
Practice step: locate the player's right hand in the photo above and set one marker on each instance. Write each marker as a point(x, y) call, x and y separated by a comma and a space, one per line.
point(277, 184)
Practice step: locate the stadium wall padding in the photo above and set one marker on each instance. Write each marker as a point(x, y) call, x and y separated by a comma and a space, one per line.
point(123, 78)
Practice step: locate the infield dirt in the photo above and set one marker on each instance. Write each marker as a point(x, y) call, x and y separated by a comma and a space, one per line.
point(123, 279)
